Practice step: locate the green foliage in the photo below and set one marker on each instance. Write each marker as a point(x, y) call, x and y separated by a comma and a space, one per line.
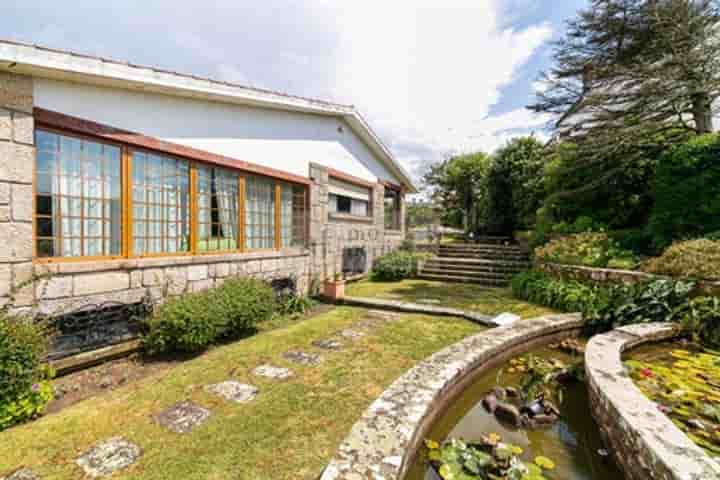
point(25, 389)
point(700, 318)
point(563, 295)
point(291, 304)
point(686, 191)
point(605, 308)
point(488, 459)
point(191, 322)
point(396, 265)
point(588, 249)
point(691, 259)
point(499, 212)
point(649, 302)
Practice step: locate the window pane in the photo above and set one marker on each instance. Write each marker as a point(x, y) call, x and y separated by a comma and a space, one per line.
point(161, 199)
point(392, 209)
point(73, 175)
point(259, 213)
point(218, 216)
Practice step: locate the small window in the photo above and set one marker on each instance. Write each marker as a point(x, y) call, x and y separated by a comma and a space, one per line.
point(351, 206)
point(78, 209)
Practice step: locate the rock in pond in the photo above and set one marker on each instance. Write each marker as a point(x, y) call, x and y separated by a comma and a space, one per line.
point(508, 413)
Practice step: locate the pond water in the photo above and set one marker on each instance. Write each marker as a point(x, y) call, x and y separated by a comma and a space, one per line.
point(572, 443)
point(684, 380)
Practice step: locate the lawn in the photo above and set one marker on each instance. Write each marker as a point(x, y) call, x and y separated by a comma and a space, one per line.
point(490, 301)
point(289, 431)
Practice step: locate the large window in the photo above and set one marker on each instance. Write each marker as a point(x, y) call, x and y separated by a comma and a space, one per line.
point(161, 204)
point(78, 203)
point(259, 213)
point(104, 200)
point(218, 217)
point(392, 209)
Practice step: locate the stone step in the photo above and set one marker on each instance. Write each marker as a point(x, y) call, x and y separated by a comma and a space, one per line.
point(464, 279)
point(480, 261)
point(485, 255)
point(469, 267)
point(467, 273)
point(494, 248)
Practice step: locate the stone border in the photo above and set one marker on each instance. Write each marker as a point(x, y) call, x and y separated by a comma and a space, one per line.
point(384, 442)
point(644, 442)
point(408, 307)
point(613, 275)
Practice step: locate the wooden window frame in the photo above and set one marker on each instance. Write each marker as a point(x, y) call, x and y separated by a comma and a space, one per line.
point(126, 233)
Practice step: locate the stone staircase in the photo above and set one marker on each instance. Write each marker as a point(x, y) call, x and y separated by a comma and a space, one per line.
point(491, 264)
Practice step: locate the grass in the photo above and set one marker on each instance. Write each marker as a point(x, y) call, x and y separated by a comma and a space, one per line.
point(289, 431)
point(490, 301)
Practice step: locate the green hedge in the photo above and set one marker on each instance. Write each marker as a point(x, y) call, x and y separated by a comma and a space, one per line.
point(692, 259)
point(25, 389)
point(191, 322)
point(686, 192)
point(397, 265)
point(591, 249)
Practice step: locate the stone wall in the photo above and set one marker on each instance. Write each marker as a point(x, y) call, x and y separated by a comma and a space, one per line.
point(330, 233)
point(611, 275)
point(643, 441)
point(17, 157)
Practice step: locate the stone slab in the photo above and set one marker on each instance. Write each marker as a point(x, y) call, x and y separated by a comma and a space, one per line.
point(380, 444)
point(234, 391)
point(303, 358)
point(418, 308)
point(108, 457)
point(270, 371)
point(351, 334)
point(328, 344)
point(183, 417)
point(21, 474)
point(506, 319)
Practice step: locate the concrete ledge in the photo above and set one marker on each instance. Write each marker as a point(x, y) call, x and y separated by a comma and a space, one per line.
point(419, 308)
point(383, 443)
point(644, 442)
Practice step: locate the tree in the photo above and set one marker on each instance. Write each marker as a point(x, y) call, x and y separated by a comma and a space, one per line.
point(633, 76)
point(524, 159)
point(457, 185)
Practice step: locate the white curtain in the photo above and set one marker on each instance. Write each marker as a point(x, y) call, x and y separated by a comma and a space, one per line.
point(226, 194)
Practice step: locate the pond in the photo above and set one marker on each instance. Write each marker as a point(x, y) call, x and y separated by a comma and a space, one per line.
point(573, 443)
point(684, 380)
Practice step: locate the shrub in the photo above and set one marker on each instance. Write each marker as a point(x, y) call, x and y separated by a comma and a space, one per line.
point(25, 389)
point(292, 304)
point(564, 295)
point(192, 322)
point(588, 249)
point(700, 318)
point(686, 191)
point(397, 265)
point(691, 259)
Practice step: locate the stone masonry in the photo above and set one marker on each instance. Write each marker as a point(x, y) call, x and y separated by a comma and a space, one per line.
point(62, 287)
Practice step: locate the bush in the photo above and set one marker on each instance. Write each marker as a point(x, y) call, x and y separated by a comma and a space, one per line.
point(686, 191)
point(700, 318)
point(691, 259)
point(588, 249)
point(397, 265)
point(25, 389)
point(291, 304)
point(192, 322)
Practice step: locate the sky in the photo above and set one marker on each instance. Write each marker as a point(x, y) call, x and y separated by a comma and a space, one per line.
point(434, 79)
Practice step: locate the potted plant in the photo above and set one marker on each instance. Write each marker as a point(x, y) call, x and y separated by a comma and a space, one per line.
point(335, 287)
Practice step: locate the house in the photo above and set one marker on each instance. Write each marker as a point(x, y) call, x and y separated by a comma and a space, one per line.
point(120, 182)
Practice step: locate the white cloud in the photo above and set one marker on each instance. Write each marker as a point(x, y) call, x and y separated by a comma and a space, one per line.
point(427, 75)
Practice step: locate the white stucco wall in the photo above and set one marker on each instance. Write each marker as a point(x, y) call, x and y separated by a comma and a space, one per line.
point(283, 140)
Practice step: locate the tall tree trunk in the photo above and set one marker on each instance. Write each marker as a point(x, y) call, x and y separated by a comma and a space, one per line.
point(702, 112)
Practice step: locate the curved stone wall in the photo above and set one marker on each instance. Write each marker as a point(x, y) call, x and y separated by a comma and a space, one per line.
point(381, 445)
point(644, 442)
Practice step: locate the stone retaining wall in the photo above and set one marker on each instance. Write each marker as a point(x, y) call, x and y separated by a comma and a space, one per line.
point(382, 444)
point(644, 442)
point(611, 275)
